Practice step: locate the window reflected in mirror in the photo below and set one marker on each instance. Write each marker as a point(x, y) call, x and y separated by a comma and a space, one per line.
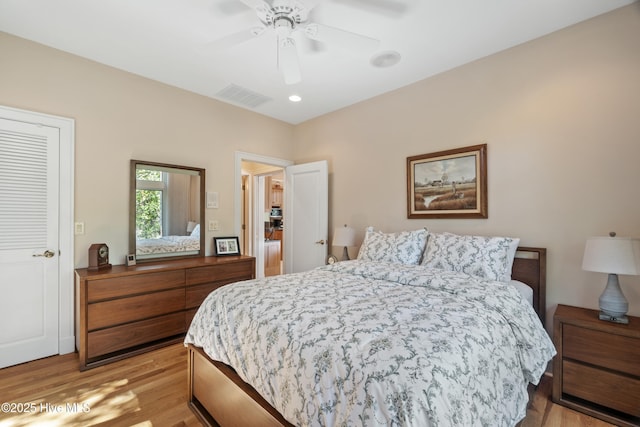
point(150, 188)
point(168, 209)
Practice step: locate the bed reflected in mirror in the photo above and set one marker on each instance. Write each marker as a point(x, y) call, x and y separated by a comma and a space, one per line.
point(167, 209)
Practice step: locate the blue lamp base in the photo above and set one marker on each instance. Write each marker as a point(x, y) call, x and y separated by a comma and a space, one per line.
point(603, 316)
point(613, 304)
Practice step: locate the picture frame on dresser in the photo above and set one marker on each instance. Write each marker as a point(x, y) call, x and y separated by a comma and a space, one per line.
point(226, 246)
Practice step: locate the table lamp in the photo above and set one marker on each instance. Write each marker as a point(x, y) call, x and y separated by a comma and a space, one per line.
point(612, 255)
point(344, 236)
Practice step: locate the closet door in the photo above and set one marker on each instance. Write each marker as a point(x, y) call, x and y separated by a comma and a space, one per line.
point(29, 241)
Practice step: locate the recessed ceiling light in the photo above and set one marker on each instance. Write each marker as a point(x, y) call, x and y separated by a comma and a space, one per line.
point(295, 98)
point(387, 58)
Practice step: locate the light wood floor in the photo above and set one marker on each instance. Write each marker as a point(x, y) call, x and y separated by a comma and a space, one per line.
point(151, 390)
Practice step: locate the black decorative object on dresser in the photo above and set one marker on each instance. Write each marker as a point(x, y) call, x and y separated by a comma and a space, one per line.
point(125, 310)
point(597, 368)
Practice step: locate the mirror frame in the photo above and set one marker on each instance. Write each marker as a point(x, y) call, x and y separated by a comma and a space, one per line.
point(132, 211)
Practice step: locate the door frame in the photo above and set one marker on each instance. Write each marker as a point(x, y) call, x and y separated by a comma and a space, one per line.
point(66, 302)
point(240, 156)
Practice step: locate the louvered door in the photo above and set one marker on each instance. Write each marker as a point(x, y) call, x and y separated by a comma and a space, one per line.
point(29, 212)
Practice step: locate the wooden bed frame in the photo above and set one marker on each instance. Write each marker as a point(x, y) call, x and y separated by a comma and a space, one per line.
point(219, 397)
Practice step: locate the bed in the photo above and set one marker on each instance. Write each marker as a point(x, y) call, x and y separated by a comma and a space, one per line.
point(167, 244)
point(387, 339)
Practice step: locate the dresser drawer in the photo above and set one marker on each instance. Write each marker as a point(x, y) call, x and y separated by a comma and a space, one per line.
point(605, 388)
point(130, 285)
point(122, 310)
point(231, 272)
point(594, 347)
point(188, 317)
point(121, 337)
point(197, 294)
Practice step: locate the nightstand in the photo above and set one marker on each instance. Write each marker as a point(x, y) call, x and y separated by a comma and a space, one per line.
point(597, 368)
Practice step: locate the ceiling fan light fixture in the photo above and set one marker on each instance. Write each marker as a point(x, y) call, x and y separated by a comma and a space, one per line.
point(385, 59)
point(286, 18)
point(295, 98)
point(283, 26)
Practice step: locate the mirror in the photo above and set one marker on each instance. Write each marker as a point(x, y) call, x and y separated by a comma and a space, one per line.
point(166, 211)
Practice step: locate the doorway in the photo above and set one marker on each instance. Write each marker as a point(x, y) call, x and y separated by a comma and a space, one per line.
point(305, 235)
point(263, 216)
point(261, 235)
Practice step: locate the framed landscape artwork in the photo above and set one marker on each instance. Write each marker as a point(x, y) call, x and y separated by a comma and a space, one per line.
point(448, 184)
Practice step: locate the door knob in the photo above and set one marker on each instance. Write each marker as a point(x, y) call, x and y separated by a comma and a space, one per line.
point(46, 254)
point(320, 242)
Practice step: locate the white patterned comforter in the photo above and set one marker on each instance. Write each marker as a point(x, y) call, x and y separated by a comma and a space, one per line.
point(366, 344)
point(167, 244)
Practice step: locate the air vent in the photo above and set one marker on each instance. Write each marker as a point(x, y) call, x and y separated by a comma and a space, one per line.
point(242, 96)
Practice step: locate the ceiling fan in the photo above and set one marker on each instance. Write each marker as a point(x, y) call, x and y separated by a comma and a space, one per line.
point(285, 18)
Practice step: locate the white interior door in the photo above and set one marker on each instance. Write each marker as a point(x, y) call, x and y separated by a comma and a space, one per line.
point(306, 202)
point(29, 241)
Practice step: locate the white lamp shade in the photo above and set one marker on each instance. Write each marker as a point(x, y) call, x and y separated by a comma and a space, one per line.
point(344, 236)
point(612, 255)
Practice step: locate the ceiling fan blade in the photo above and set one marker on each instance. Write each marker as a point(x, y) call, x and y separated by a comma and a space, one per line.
point(254, 4)
point(390, 7)
point(230, 7)
point(288, 60)
point(234, 39)
point(338, 37)
point(310, 4)
point(261, 7)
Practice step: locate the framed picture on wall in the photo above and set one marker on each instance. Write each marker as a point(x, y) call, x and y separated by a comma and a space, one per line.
point(448, 184)
point(226, 246)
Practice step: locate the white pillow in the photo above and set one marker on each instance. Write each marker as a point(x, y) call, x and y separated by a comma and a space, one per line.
point(405, 247)
point(196, 231)
point(486, 257)
point(524, 290)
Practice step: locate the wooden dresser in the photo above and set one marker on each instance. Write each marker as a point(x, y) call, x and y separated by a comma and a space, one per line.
point(125, 311)
point(597, 368)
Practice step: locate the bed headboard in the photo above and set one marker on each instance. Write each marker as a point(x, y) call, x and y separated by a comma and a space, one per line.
point(530, 267)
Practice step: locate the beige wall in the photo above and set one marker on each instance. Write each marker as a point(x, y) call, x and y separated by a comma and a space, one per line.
point(561, 117)
point(120, 116)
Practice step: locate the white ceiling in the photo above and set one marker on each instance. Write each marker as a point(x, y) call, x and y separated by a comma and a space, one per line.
point(170, 41)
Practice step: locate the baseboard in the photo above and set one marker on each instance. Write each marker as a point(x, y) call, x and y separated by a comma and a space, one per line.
point(67, 344)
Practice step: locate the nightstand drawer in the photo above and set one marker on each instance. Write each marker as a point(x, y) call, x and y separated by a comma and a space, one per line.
point(594, 347)
point(605, 388)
